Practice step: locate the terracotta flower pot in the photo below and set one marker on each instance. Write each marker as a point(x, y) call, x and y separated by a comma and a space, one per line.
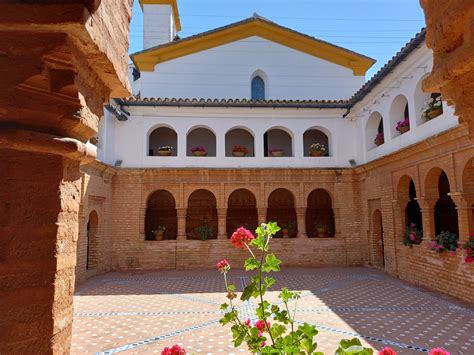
point(200, 154)
point(404, 129)
point(316, 153)
point(379, 142)
point(286, 233)
point(322, 232)
point(159, 235)
point(238, 154)
point(278, 153)
point(434, 113)
point(164, 153)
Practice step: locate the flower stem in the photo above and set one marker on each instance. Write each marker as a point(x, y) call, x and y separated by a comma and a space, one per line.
point(260, 292)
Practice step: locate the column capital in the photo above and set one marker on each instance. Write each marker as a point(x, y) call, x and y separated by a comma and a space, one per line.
point(426, 204)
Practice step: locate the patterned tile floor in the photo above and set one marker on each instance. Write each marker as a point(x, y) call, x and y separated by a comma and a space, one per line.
point(141, 313)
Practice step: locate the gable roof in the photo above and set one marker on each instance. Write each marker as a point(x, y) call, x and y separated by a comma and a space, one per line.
point(254, 26)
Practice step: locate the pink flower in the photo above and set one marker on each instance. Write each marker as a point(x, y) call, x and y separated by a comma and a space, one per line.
point(453, 253)
point(469, 259)
point(438, 351)
point(387, 351)
point(413, 225)
point(260, 325)
point(247, 323)
point(241, 237)
point(223, 265)
point(412, 236)
point(174, 350)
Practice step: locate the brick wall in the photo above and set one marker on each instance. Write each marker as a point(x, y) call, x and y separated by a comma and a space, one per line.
point(358, 196)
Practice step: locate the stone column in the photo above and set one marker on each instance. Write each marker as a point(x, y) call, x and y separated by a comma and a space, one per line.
point(222, 223)
point(427, 215)
point(301, 222)
point(181, 214)
point(464, 212)
point(262, 215)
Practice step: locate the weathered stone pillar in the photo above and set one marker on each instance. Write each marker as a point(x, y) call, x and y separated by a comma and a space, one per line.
point(262, 215)
point(222, 223)
point(464, 213)
point(301, 222)
point(427, 215)
point(181, 214)
point(57, 70)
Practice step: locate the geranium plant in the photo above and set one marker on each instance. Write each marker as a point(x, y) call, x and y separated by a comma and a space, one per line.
point(403, 126)
point(413, 235)
point(317, 147)
point(445, 241)
point(205, 232)
point(240, 149)
point(432, 107)
point(199, 148)
point(273, 328)
point(379, 139)
point(165, 148)
point(468, 248)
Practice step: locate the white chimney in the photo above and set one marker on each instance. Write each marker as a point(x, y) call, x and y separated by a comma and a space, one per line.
point(160, 22)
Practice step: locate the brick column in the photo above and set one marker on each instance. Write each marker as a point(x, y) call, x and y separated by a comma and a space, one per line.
point(464, 213)
point(301, 222)
point(40, 197)
point(222, 223)
point(181, 216)
point(262, 215)
point(427, 215)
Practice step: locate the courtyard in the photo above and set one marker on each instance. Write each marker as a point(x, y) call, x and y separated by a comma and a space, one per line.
point(143, 312)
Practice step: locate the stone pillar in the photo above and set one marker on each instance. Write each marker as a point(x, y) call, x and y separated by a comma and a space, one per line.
point(262, 215)
point(222, 223)
point(427, 215)
point(464, 213)
point(181, 214)
point(301, 222)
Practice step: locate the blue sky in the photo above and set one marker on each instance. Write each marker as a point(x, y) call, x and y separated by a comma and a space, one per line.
point(376, 28)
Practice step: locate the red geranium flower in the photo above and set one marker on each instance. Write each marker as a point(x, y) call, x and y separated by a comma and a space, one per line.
point(260, 325)
point(438, 351)
point(174, 350)
point(387, 351)
point(241, 237)
point(223, 265)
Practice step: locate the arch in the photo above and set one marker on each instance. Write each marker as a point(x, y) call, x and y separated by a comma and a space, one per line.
point(278, 138)
point(92, 259)
point(201, 136)
point(201, 217)
point(374, 130)
point(241, 211)
point(320, 215)
point(407, 198)
point(162, 136)
point(377, 239)
point(161, 215)
point(281, 209)
point(468, 191)
point(446, 216)
point(316, 135)
point(421, 98)
point(239, 136)
point(399, 112)
point(257, 87)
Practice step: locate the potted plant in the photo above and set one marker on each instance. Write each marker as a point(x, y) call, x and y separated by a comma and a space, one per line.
point(468, 248)
point(317, 150)
point(403, 126)
point(413, 235)
point(204, 232)
point(321, 230)
point(287, 229)
point(433, 108)
point(159, 232)
point(445, 241)
point(239, 151)
point(165, 150)
point(379, 139)
point(199, 151)
point(276, 152)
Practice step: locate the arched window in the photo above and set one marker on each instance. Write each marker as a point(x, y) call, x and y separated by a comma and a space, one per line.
point(163, 141)
point(374, 133)
point(258, 88)
point(281, 209)
point(399, 116)
point(315, 143)
point(320, 215)
point(201, 141)
point(201, 217)
point(241, 211)
point(238, 140)
point(277, 143)
point(446, 216)
point(161, 221)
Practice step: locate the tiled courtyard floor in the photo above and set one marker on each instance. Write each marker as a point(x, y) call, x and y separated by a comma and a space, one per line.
point(141, 313)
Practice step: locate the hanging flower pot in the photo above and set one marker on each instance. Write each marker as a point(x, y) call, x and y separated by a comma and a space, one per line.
point(165, 150)
point(316, 153)
point(199, 151)
point(404, 129)
point(434, 113)
point(276, 152)
point(239, 151)
point(317, 150)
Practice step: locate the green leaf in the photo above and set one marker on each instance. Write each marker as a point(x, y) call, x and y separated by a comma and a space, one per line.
point(269, 281)
point(250, 264)
point(231, 288)
point(272, 228)
point(277, 330)
point(224, 306)
point(248, 291)
point(352, 347)
point(308, 330)
point(271, 263)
